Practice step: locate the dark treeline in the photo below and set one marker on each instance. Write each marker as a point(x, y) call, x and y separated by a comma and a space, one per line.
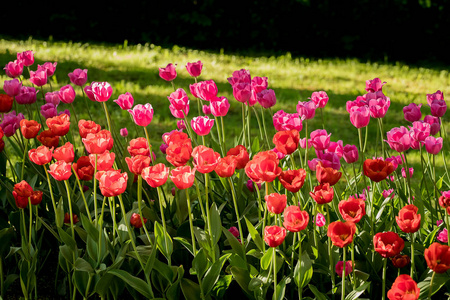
point(407, 30)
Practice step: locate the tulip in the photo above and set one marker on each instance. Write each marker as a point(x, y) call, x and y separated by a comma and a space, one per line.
point(400, 261)
point(320, 220)
point(240, 154)
point(327, 175)
point(142, 114)
point(67, 94)
point(442, 236)
point(340, 267)
point(194, 69)
point(259, 84)
point(286, 141)
point(202, 125)
point(437, 257)
point(435, 124)
point(39, 77)
point(78, 77)
point(137, 163)
point(438, 108)
point(207, 90)
point(53, 98)
point(285, 121)
point(226, 166)
point(168, 73)
point(47, 138)
point(341, 233)
point(388, 244)
point(26, 57)
point(263, 167)
point(12, 87)
point(320, 99)
point(27, 95)
point(83, 168)
point(404, 287)
point(241, 75)
point(30, 128)
point(205, 159)
point(219, 106)
point(320, 139)
point(352, 209)
point(274, 235)
point(65, 153)
point(399, 139)
point(49, 68)
point(112, 183)
point(14, 69)
point(292, 180)
point(101, 91)
point(41, 155)
point(155, 175)
point(433, 145)
point(136, 221)
point(295, 219)
point(360, 116)
point(10, 123)
point(276, 202)
point(242, 92)
point(124, 132)
point(105, 160)
point(322, 193)
point(408, 220)
point(374, 85)
point(438, 95)
point(350, 154)
point(36, 197)
point(60, 170)
point(412, 112)
point(183, 177)
point(59, 125)
point(379, 106)
point(67, 218)
point(266, 98)
point(377, 169)
point(95, 143)
point(22, 191)
point(86, 127)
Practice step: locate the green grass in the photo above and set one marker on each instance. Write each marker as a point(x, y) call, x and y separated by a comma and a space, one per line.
point(134, 69)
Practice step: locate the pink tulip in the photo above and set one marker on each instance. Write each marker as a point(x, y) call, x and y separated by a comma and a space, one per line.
point(312, 164)
point(38, 78)
point(336, 147)
point(279, 154)
point(53, 98)
point(259, 84)
point(142, 114)
point(219, 106)
point(378, 107)
point(374, 85)
point(168, 73)
point(49, 110)
point(27, 95)
point(101, 91)
point(438, 95)
point(388, 193)
point(242, 92)
point(442, 236)
point(329, 160)
point(283, 121)
point(206, 109)
point(360, 116)
point(78, 77)
point(124, 132)
point(202, 125)
point(412, 112)
point(125, 101)
point(67, 94)
point(251, 187)
point(411, 172)
point(88, 90)
point(419, 131)
point(434, 122)
point(320, 98)
point(302, 143)
point(320, 139)
point(194, 69)
point(49, 67)
point(240, 76)
point(350, 153)
point(359, 102)
point(320, 220)
point(193, 88)
point(12, 87)
point(179, 113)
point(14, 69)
point(10, 123)
point(266, 98)
point(438, 108)
point(306, 110)
point(340, 268)
point(26, 57)
point(207, 90)
point(433, 145)
point(399, 139)
point(181, 125)
point(179, 99)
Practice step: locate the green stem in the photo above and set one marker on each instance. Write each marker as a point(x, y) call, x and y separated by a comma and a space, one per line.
point(23, 159)
point(264, 126)
point(383, 289)
point(208, 216)
point(108, 120)
point(30, 225)
point(353, 264)
point(244, 141)
point(75, 113)
point(51, 195)
point(87, 104)
point(163, 220)
point(191, 224)
point(223, 134)
point(236, 209)
point(82, 194)
point(343, 273)
point(95, 190)
point(431, 286)
point(330, 255)
point(70, 208)
point(205, 219)
point(274, 262)
point(413, 265)
point(149, 145)
point(300, 289)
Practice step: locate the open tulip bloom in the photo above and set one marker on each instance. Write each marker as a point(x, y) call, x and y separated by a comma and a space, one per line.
point(182, 206)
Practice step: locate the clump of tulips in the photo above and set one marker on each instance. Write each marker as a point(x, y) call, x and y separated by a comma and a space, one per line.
point(265, 217)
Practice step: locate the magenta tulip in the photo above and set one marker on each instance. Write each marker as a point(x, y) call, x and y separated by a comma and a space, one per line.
point(142, 114)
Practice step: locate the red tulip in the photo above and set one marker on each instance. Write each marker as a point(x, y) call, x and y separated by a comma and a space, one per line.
point(276, 203)
point(408, 219)
point(295, 219)
point(137, 163)
point(404, 287)
point(47, 138)
point(136, 221)
point(59, 125)
point(65, 153)
point(322, 193)
point(112, 183)
point(240, 154)
point(327, 175)
point(139, 146)
point(67, 218)
point(438, 257)
point(205, 159)
point(96, 143)
point(105, 161)
point(400, 261)
point(30, 128)
point(274, 235)
point(286, 141)
point(155, 175)
point(6, 103)
point(388, 244)
point(263, 167)
point(352, 209)
point(226, 166)
point(183, 177)
point(293, 180)
point(41, 155)
point(377, 169)
point(341, 233)
point(83, 168)
point(88, 126)
point(60, 170)
point(22, 191)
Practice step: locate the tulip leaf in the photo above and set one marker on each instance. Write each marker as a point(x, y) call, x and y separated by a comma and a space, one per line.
point(200, 263)
point(212, 275)
point(81, 279)
point(256, 237)
point(185, 243)
point(234, 243)
point(222, 286)
point(267, 258)
point(102, 286)
point(202, 238)
point(190, 289)
point(83, 265)
point(281, 288)
point(242, 277)
point(438, 281)
point(163, 241)
point(135, 282)
point(319, 295)
point(67, 239)
point(216, 224)
point(303, 271)
point(353, 295)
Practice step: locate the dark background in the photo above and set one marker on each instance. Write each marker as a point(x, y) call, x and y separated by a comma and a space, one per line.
point(415, 31)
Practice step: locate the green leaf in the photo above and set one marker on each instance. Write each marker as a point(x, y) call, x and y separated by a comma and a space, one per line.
point(267, 258)
point(60, 209)
point(190, 289)
point(6, 235)
point(438, 281)
point(173, 292)
point(185, 243)
point(150, 262)
point(200, 263)
point(281, 288)
point(202, 238)
point(234, 243)
point(164, 270)
point(67, 239)
point(242, 277)
point(82, 265)
point(135, 282)
point(256, 237)
point(89, 227)
point(319, 295)
point(103, 284)
point(222, 286)
point(216, 224)
point(163, 241)
point(81, 279)
point(353, 295)
point(303, 271)
point(212, 275)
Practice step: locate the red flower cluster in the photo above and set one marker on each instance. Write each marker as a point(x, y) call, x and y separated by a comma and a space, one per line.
point(377, 169)
point(24, 193)
point(293, 180)
point(352, 209)
point(404, 287)
point(179, 148)
point(263, 167)
point(341, 233)
point(438, 257)
point(388, 244)
point(408, 219)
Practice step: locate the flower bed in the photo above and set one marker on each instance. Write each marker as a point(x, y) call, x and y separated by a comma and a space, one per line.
point(269, 217)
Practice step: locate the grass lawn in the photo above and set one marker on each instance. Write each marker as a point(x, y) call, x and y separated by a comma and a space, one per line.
point(134, 69)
